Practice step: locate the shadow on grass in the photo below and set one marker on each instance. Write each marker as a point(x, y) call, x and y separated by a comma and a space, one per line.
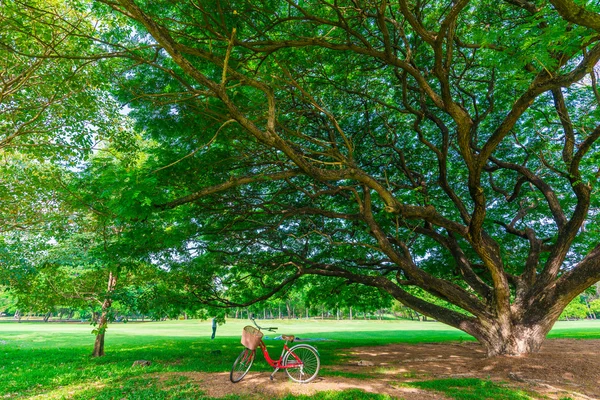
point(178, 388)
point(27, 372)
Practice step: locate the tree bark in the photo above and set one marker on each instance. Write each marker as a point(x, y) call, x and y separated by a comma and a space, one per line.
point(514, 340)
point(103, 320)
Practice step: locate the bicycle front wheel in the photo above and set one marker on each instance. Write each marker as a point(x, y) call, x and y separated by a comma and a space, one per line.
point(242, 365)
point(302, 363)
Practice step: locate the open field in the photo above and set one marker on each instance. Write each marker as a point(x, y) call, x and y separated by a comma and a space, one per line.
point(40, 361)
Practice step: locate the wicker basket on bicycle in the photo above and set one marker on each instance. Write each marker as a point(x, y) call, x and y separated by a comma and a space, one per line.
point(251, 337)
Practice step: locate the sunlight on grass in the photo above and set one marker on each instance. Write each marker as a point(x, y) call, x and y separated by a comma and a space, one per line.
point(68, 392)
point(53, 360)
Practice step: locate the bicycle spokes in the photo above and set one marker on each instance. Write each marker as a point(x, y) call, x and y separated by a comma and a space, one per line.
point(242, 365)
point(302, 363)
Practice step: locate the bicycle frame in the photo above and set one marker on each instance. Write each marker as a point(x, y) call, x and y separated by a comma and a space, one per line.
point(277, 364)
point(294, 364)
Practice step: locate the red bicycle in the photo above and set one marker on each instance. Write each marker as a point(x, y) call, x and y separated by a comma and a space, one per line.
point(301, 362)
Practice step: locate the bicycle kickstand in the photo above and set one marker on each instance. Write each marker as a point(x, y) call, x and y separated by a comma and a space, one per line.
point(273, 374)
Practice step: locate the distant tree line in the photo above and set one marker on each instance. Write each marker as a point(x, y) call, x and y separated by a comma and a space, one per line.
point(585, 306)
point(295, 304)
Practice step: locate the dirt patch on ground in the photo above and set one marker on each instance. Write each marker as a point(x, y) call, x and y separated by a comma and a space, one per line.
point(258, 385)
point(563, 368)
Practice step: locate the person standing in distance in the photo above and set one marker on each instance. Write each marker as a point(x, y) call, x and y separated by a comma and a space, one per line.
point(214, 327)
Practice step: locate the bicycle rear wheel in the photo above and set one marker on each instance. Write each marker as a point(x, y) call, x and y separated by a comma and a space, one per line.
point(302, 362)
point(242, 365)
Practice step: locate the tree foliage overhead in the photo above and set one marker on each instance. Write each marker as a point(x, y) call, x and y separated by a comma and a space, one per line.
point(54, 105)
point(53, 101)
point(444, 149)
point(443, 152)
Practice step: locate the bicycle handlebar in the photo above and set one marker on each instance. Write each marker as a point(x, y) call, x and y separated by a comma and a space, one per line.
point(273, 328)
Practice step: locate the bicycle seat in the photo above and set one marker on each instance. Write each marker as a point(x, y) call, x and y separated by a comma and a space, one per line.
point(288, 338)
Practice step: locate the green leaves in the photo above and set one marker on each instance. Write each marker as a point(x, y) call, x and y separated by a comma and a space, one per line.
point(53, 97)
point(422, 145)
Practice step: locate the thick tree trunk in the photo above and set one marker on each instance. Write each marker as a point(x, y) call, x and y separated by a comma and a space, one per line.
point(103, 320)
point(518, 329)
point(517, 333)
point(515, 340)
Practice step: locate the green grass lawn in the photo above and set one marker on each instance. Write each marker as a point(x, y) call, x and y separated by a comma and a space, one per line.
point(52, 360)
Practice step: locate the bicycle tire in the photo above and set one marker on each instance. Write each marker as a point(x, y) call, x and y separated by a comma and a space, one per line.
point(241, 365)
point(310, 363)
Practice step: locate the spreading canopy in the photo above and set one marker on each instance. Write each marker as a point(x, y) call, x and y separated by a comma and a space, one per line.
point(445, 152)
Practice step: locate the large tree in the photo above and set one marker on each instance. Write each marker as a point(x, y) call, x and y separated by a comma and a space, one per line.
point(444, 149)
